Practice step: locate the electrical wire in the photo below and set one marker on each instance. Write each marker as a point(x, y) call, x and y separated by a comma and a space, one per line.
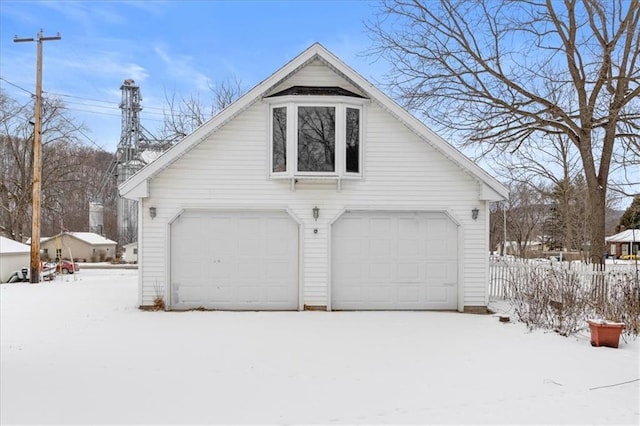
point(16, 86)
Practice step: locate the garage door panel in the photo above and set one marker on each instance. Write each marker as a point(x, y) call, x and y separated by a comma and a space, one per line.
point(349, 247)
point(278, 271)
point(351, 294)
point(246, 270)
point(380, 272)
point(437, 271)
point(379, 248)
point(275, 248)
point(409, 294)
point(220, 269)
point(350, 271)
point(437, 295)
point(249, 247)
point(276, 227)
point(249, 261)
point(380, 226)
point(408, 258)
point(408, 247)
point(277, 294)
point(409, 272)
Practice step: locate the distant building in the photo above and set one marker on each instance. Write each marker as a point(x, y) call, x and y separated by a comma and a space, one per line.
point(130, 252)
point(81, 246)
point(625, 242)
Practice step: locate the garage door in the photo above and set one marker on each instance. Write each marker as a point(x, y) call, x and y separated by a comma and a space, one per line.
point(394, 260)
point(234, 261)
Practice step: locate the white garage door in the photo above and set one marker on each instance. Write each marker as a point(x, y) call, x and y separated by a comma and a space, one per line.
point(394, 261)
point(234, 261)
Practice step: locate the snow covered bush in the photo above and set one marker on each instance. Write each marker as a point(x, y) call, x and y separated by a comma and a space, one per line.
point(562, 299)
point(622, 303)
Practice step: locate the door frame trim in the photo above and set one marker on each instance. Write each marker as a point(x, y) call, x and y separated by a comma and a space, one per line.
point(231, 209)
point(403, 209)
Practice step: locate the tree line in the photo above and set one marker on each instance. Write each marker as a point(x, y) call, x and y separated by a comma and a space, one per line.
point(73, 173)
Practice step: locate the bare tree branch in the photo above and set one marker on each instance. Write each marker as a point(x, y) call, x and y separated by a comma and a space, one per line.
point(504, 74)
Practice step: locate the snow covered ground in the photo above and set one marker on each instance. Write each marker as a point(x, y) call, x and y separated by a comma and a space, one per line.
point(77, 351)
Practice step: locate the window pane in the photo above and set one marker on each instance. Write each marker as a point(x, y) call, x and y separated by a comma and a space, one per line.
point(316, 139)
point(280, 139)
point(353, 140)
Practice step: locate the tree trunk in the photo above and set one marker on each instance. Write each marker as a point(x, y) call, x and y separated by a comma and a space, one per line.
point(597, 203)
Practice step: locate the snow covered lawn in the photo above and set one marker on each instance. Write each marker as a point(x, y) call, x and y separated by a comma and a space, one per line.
point(77, 351)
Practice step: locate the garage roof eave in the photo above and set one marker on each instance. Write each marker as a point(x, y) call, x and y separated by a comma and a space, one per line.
point(134, 190)
point(488, 193)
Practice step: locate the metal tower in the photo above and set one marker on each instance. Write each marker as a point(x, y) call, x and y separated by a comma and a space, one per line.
point(128, 159)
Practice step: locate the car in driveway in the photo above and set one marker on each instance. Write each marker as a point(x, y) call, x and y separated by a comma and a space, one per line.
point(630, 257)
point(66, 267)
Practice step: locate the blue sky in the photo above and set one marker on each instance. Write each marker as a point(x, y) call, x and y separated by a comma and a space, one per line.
point(167, 47)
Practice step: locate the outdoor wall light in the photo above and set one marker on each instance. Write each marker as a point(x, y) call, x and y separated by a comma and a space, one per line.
point(474, 214)
point(152, 212)
point(316, 213)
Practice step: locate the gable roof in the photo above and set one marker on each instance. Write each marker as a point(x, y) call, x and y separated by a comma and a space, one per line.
point(628, 236)
point(11, 246)
point(90, 238)
point(137, 185)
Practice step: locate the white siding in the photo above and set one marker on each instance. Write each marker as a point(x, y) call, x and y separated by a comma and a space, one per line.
point(401, 172)
point(316, 73)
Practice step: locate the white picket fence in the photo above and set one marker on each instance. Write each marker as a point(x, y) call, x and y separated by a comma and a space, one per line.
point(506, 274)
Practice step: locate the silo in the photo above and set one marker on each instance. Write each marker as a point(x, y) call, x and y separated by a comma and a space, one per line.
point(96, 217)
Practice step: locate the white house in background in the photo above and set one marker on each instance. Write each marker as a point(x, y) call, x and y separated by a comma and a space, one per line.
point(130, 252)
point(13, 257)
point(314, 191)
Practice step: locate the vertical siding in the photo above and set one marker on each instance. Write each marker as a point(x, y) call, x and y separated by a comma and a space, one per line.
point(400, 172)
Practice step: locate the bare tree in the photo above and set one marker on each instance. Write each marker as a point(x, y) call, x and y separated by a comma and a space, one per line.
point(526, 212)
point(71, 172)
point(497, 225)
point(184, 115)
point(503, 72)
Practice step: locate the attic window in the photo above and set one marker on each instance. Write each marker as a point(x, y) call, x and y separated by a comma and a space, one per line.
point(315, 135)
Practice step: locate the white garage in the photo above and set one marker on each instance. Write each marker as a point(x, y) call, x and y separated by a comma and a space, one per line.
point(394, 260)
point(377, 205)
point(234, 260)
point(13, 257)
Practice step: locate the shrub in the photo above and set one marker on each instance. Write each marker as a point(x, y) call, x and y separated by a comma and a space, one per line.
point(562, 299)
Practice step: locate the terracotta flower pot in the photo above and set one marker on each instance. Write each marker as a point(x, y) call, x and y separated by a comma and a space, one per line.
point(605, 333)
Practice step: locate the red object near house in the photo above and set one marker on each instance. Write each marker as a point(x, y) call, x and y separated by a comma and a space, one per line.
point(605, 333)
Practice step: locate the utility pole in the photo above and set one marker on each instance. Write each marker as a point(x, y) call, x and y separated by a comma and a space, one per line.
point(37, 161)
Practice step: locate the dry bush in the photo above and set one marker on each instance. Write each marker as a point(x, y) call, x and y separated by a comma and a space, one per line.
point(158, 303)
point(622, 303)
point(562, 299)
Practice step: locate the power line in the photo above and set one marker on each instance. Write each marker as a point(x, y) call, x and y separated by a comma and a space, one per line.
point(112, 104)
point(16, 86)
point(94, 143)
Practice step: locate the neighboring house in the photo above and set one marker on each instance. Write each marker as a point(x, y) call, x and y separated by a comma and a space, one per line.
point(130, 252)
point(83, 246)
point(626, 242)
point(513, 248)
point(314, 191)
point(13, 257)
